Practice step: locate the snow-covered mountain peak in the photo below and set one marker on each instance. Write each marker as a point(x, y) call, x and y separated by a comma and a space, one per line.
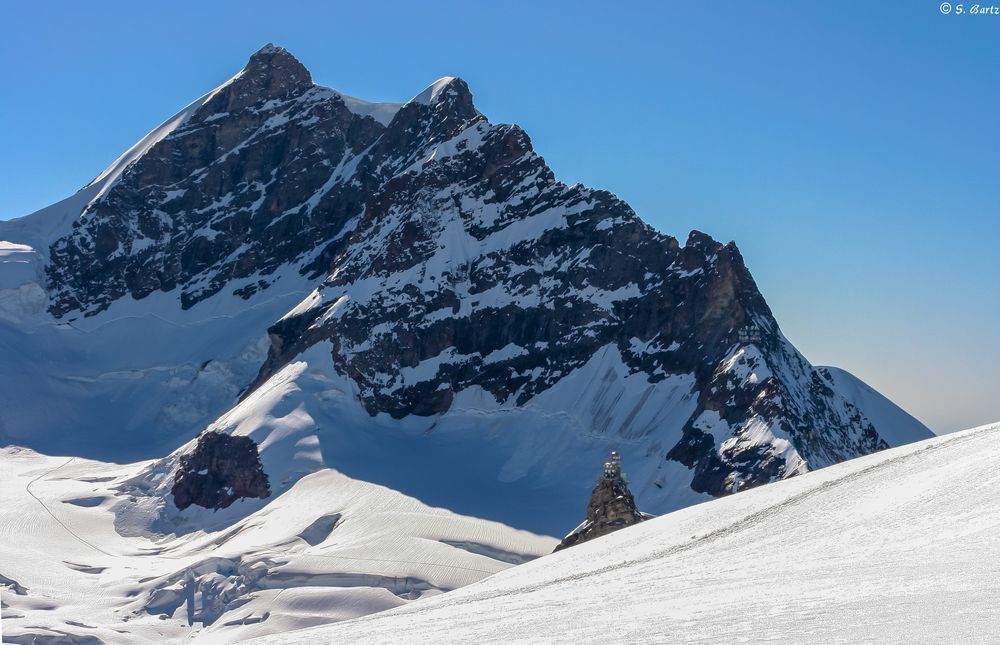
point(430, 95)
point(432, 259)
point(446, 105)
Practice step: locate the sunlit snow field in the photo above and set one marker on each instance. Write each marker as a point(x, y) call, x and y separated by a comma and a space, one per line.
point(896, 547)
point(330, 548)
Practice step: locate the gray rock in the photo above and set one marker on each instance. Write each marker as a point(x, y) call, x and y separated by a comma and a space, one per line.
point(611, 507)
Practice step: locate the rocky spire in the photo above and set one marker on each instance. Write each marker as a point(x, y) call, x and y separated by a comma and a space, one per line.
point(611, 507)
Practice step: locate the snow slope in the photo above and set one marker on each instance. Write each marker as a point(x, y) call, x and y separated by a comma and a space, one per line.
point(72, 388)
point(528, 466)
point(895, 547)
point(21, 293)
point(80, 562)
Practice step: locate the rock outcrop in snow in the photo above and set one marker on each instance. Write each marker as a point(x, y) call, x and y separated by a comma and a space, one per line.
point(611, 507)
point(220, 470)
point(330, 548)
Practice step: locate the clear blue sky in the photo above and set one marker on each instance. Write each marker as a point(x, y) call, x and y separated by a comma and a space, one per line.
point(850, 148)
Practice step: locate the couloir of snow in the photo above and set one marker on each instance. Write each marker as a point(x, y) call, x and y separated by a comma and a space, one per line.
point(79, 561)
point(895, 547)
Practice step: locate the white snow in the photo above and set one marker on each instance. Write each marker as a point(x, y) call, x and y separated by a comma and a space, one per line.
point(329, 548)
point(333, 543)
point(43, 227)
point(22, 294)
point(313, 300)
point(520, 465)
point(711, 423)
point(505, 353)
point(895, 547)
point(381, 112)
point(747, 364)
point(430, 95)
point(18, 264)
point(187, 367)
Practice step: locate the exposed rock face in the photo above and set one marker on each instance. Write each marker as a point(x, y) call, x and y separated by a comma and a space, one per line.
point(611, 507)
point(229, 196)
point(448, 258)
point(221, 469)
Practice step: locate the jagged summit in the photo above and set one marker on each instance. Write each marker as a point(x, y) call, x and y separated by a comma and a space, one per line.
point(433, 260)
point(448, 97)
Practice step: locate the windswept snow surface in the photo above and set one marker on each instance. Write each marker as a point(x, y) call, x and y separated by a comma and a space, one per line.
point(895, 547)
point(80, 564)
point(43, 227)
point(18, 264)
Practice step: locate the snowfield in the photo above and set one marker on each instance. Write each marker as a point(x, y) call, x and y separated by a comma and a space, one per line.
point(80, 563)
point(895, 547)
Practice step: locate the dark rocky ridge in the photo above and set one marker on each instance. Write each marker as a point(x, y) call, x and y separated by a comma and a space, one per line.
point(444, 241)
